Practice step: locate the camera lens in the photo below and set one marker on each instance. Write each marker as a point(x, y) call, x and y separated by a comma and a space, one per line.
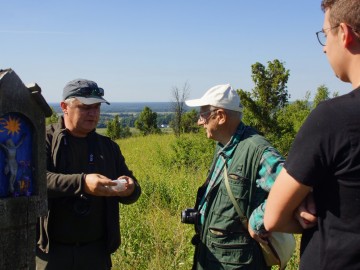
point(183, 217)
point(189, 216)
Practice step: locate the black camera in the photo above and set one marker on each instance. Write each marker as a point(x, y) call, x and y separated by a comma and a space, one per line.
point(189, 216)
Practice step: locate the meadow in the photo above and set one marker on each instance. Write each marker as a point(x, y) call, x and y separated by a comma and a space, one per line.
point(169, 170)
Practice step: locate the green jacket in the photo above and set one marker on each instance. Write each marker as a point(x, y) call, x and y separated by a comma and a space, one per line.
point(222, 242)
point(110, 162)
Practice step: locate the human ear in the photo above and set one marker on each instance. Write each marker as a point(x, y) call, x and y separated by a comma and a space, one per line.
point(347, 35)
point(222, 116)
point(63, 106)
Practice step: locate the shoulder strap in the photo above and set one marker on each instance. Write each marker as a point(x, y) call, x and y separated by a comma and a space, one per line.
point(243, 218)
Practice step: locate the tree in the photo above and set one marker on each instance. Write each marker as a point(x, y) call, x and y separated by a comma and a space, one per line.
point(292, 116)
point(147, 122)
point(290, 119)
point(267, 97)
point(178, 106)
point(128, 120)
point(54, 118)
point(189, 122)
point(322, 94)
point(116, 129)
point(125, 132)
point(113, 128)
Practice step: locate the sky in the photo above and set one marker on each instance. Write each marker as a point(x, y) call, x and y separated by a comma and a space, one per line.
point(140, 50)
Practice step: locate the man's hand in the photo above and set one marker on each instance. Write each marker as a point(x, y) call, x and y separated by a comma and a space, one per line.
point(130, 186)
point(99, 185)
point(306, 212)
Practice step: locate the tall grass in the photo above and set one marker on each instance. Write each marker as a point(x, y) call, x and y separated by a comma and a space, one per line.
point(152, 235)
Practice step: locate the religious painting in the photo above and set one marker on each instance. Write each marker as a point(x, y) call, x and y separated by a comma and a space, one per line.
point(15, 156)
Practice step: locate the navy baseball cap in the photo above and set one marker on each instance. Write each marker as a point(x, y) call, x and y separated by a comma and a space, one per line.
point(86, 91)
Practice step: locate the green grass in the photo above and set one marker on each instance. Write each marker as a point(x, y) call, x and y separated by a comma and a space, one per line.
point(153, 238)
point(135, 131)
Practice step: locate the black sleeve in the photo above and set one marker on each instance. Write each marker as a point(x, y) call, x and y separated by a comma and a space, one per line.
point(58, 184)
point(124, 170)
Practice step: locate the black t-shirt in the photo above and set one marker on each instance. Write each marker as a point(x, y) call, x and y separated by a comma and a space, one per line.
point(74, 218)
point(326, 155)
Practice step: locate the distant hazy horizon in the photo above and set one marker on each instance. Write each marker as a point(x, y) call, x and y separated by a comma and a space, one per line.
point(123, 107)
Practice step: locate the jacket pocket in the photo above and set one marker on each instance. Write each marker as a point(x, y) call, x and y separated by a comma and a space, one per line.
point(228, 250)
point(223, 213)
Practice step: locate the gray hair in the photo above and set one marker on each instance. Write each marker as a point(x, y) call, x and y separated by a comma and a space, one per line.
point(70, 101)
point(230, 113)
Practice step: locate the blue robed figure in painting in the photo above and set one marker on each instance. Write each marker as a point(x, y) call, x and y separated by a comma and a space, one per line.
point(15, 156)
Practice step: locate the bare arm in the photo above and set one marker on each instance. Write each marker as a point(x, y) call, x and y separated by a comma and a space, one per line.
point(284, 198)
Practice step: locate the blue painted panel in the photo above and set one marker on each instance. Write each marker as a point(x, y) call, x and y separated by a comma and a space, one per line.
point(15, 156)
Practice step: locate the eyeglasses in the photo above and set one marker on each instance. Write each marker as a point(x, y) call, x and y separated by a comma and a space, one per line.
point(322, 35)
point(86, 92)
point(89, 91)
point(202, 116)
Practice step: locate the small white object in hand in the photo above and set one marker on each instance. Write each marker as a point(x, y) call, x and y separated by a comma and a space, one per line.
point(120, 184)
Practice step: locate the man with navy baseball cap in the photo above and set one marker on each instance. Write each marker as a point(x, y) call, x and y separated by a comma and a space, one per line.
point(82, 228)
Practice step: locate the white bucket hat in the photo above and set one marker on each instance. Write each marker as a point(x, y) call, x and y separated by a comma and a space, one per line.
point(221, 96)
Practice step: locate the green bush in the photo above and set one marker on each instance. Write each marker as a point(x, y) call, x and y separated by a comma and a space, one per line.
point(192, 151)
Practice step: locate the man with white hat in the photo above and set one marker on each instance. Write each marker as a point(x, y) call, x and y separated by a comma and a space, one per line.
point(246, 163)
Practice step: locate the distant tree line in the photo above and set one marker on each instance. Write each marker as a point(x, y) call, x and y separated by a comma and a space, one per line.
point(128, 119)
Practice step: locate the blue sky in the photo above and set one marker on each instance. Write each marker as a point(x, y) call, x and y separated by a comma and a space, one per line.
point(140, 50)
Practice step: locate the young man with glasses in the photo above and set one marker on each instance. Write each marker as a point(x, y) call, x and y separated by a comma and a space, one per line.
point(323, 163)
point(82, 229)
point(252, 164)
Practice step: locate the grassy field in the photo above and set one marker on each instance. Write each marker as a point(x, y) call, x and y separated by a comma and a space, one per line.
point(135, 131)
point(153, 237)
